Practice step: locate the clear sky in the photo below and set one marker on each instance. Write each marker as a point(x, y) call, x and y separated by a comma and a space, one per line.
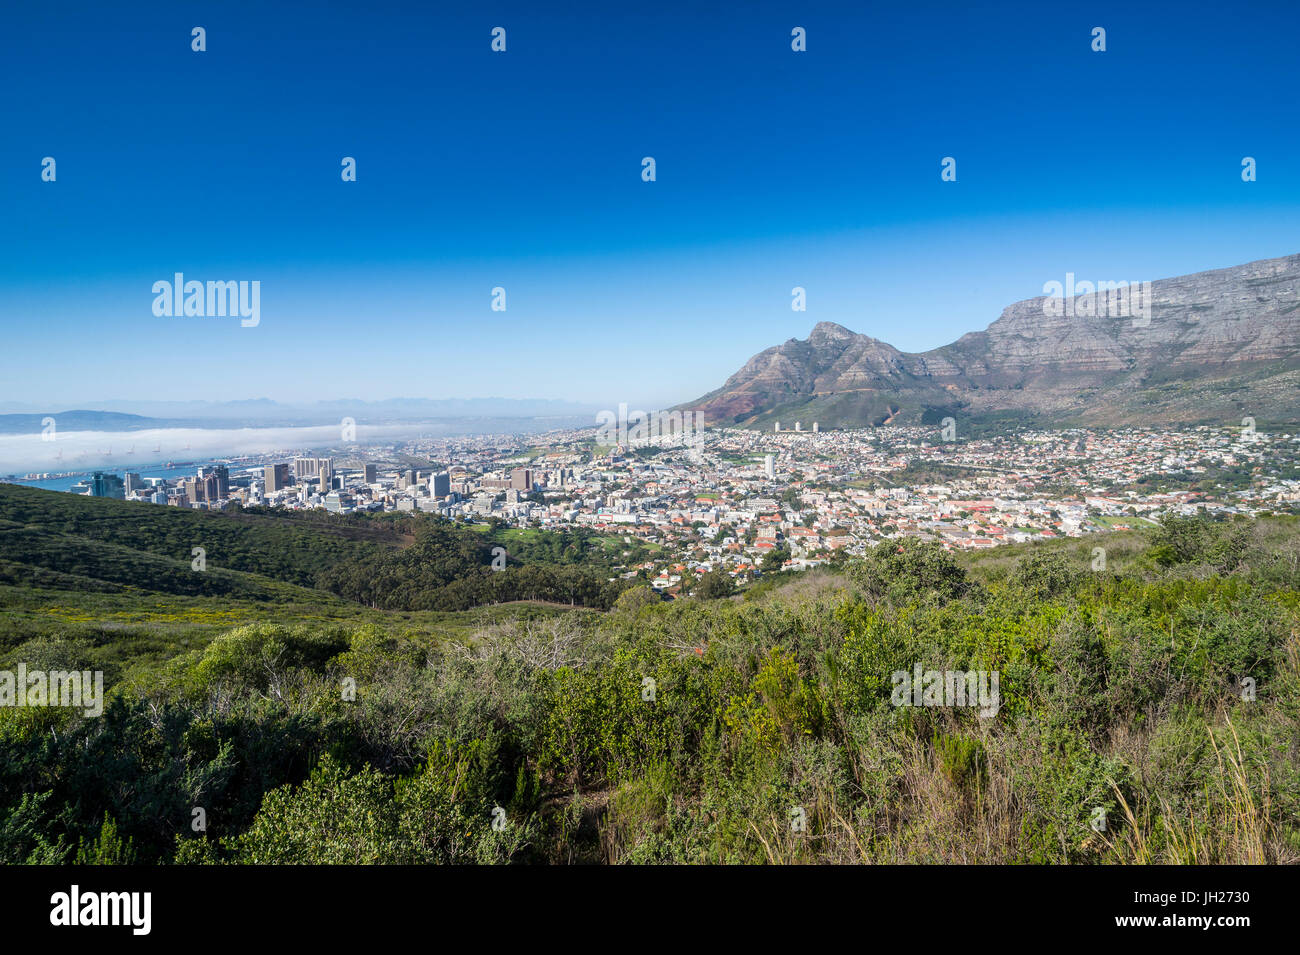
point(522, 170)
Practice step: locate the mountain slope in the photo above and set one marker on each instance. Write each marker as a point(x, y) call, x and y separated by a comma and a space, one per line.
point(1215, 347)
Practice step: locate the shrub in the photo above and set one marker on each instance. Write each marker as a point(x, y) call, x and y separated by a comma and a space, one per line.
point(910, 571)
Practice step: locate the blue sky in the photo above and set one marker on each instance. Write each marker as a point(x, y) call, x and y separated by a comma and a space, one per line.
point(522, 170)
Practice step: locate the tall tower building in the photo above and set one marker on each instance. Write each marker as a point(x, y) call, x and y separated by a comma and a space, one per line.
point(276, 477)
point(440, 484)
point(107, 485)
point(221, 479)
point(211, 487)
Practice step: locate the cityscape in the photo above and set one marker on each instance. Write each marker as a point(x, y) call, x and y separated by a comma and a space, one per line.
point(966, 533)
point(744, 501)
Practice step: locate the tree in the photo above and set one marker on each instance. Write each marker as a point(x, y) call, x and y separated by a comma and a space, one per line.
point(1044, 574)
point(911, 570)
point(715, 584)
point(775, 559)
point(1199, 540)
point(634, 599)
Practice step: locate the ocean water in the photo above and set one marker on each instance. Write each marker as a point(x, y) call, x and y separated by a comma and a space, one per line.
point(157, 470)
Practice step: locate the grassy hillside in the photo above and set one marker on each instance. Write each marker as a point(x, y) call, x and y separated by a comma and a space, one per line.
point(117, 577)
point(1159, 694)
point(292, 547)
point(415, 562)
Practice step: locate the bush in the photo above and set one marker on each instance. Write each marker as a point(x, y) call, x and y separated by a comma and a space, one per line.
point(1198, 540)
point(715, 584)
point(909, 571)
point(1045, 574)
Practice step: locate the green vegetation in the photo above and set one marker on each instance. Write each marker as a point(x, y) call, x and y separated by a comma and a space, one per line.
point(385, 561)
point(106, 539)
point(451, 568)
point(1160, 685)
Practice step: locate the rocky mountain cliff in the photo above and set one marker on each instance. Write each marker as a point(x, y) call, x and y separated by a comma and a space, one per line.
point(1211, 347)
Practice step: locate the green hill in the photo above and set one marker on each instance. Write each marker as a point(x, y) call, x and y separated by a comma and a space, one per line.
point(1159, 688)
point(151, 547)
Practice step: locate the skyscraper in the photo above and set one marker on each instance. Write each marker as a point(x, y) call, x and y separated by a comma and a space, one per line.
point(276, 477)
point(107, 485)
point(369, 474)
point(213, 484)
point(219, 476)
point(440, 484)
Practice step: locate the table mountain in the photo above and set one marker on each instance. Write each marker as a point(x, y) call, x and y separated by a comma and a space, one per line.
point(1212, 347)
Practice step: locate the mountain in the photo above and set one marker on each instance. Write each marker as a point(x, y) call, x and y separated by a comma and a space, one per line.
point(1213, 347)
point(435, 417)
point(263, 412)
point(80, 421)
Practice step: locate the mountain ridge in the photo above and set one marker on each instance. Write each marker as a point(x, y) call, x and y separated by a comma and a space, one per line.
point(1211, 346)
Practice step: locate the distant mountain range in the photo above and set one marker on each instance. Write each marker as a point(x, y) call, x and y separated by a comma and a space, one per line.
point(1214, 347)
point(264, 413)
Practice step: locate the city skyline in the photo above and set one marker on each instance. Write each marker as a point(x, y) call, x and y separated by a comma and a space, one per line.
point(673, 435)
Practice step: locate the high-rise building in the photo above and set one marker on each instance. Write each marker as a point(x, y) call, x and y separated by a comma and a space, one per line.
point(222, 474)
point(107, 485)
point(521, 479)
point(305, 468)
point(211, 484)
point(326, 476)
point(339, 501)
point(211, 487)
point(369, 473)
point(440, 484)
point(132, 483)
point(769, 467)
point(275, 477)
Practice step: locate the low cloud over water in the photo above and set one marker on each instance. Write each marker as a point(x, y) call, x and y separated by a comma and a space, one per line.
point(126, 450)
